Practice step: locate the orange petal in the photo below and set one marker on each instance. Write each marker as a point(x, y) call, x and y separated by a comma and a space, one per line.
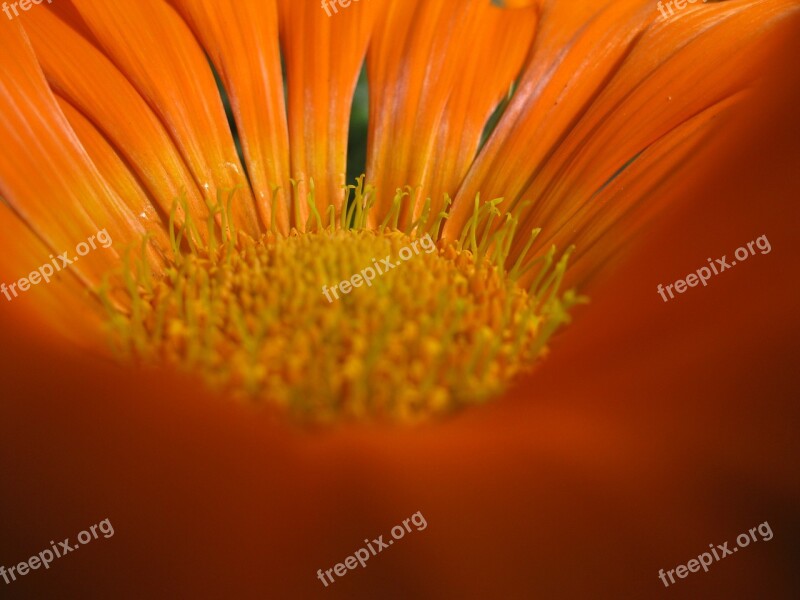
point(77, 71)
point(170, 70)
point(323, 56)
point(614, 93)
point(46, 175)
point(657, 90)
point(60, 305)
point(67, 13)
point(578, 48)
point(249, 64)
point(436, 72)
point(116, 174)
point(627, 203)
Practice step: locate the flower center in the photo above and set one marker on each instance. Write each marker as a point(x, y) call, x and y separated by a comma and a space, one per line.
point(354, 323)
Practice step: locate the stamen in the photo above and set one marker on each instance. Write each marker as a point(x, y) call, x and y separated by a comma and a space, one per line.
point(446, 327)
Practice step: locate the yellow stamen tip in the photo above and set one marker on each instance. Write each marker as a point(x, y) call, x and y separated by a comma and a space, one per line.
point(346, 323)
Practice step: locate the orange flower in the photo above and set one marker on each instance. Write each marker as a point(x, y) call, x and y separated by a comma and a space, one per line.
point(611, 102)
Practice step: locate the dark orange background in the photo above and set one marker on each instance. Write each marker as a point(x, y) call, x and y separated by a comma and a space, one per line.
point(651, 431)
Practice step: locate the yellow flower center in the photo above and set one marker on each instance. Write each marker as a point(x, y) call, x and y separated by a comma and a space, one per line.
point(349, 323)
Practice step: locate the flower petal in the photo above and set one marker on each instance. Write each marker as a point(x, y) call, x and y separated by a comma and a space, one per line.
point(622, 84)
point(249, 64)
point(644, 104)
point(586, 224)
point(323, 56)
point(435, 77)
point(577, 50)
point(61, 304)
point(46, 175)
point(170, 70)
point(77, 71)
point(116, 173)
